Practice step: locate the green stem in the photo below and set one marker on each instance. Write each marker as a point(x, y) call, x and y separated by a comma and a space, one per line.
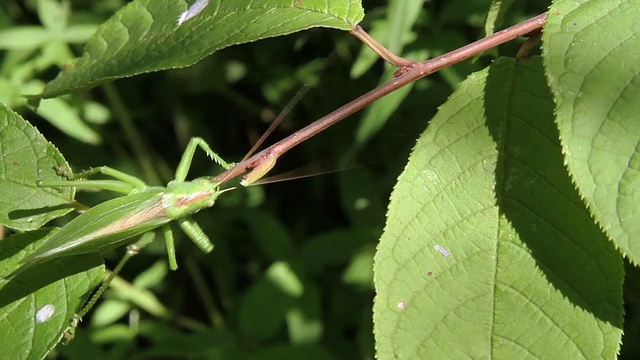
point(131, 251)
point(208, 300)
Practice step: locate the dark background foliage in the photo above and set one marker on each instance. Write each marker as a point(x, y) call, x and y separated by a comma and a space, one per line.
point(325, 228)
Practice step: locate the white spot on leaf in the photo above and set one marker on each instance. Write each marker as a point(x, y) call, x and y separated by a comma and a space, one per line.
point(442, 250)
point(193, 10)
point(45, 313)
point(401, 305)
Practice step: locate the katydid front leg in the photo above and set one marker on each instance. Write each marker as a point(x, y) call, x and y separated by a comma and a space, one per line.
point(187, 158)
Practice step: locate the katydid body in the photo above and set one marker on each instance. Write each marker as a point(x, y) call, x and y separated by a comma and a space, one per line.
point(115, 222)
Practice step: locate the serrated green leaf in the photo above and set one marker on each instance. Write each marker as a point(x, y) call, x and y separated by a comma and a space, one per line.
point(591, 51)
point(488, 251)
point(37, 306)
point(26, 157)
point(145, 35)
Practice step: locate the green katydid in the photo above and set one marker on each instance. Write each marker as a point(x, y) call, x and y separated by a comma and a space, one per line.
point(111, 224)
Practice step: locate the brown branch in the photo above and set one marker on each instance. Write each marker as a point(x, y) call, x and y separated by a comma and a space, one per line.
point(404, 76)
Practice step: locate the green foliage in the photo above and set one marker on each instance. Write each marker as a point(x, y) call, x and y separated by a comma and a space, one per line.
point(505, 235)
point(147, 36)
point(51, 42)
point(38, 305)
point(596, 109)
point(25, 158)
point(524, 272)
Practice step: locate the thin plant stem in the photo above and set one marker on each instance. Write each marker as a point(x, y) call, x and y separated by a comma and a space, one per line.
point(132, 250)
point(379, 49)
point(208, 300)
point(528, 45)
point(404, 76)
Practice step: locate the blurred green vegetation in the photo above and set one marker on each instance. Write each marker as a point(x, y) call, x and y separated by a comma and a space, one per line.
point(291, 274)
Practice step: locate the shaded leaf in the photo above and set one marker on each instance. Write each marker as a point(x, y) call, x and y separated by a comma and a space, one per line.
point(270, 235)
point(279, 289)
point(168, 342)
point(334, 248)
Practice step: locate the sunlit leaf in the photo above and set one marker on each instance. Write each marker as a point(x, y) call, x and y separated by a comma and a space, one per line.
point(590, 52)
point(488, 250)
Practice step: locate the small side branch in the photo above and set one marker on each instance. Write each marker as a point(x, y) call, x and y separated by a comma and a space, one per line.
point(382, 51)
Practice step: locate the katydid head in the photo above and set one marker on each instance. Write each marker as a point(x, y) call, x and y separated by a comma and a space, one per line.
point(187, 197)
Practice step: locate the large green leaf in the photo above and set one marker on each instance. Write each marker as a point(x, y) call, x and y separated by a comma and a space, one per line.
point(591, 51)
point(26, 157)
point(488, 251)
point(37, 306)
point(145, 35)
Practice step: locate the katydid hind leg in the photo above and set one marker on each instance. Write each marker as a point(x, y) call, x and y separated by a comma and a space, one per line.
point(195, 233)
point(187, 157)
